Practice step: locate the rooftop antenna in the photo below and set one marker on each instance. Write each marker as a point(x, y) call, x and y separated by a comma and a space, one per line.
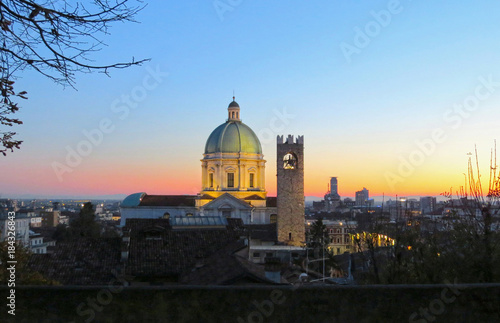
point(383, 200)
point(233, 95)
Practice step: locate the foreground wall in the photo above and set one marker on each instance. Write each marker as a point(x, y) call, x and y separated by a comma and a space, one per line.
point(396, 303)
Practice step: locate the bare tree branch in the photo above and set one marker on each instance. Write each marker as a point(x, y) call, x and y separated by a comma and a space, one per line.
point(56, 39)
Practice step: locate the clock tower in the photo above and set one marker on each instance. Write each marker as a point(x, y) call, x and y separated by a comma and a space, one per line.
point(290, 172)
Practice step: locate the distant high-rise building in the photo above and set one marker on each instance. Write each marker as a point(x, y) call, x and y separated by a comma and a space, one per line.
point(334, 188)
point(427, 204)
point(332, 197)
point(362, 197)
point(348, 202)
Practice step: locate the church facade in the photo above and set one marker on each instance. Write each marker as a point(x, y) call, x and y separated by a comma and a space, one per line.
point(232, 181)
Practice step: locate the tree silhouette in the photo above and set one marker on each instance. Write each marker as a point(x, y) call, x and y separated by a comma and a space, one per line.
point(85, 226)
point(54, 38)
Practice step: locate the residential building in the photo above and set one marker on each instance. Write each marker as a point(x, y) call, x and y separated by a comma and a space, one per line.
point(21, 226)
point(50, 218)
point(37, 245)
point(362, 197)
point(427, 204)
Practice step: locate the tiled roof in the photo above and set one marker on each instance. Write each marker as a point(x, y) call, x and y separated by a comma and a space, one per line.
point(235, 224)
point(80, 262)
point(25, 210)
point(224, 268)
point(141, 224)
point(272, 201)
point(164, 252)
point(156, 251)
point(168, 200)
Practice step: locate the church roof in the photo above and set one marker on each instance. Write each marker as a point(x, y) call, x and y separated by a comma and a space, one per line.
point(132, 200)
point(168, 200)
point(253, 197)
point(143, 199)
point(233, 137)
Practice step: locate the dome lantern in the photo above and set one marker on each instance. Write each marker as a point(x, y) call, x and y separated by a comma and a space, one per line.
point(233, 111)
point(233, 136)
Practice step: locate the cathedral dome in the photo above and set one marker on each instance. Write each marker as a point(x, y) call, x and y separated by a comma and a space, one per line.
point(233, 137)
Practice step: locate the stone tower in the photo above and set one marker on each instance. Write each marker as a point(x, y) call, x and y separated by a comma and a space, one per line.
point(290, 172)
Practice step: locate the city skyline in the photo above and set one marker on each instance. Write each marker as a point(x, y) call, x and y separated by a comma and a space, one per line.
point(389, 95)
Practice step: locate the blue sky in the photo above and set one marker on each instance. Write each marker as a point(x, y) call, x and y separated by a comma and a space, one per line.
point(361, 115)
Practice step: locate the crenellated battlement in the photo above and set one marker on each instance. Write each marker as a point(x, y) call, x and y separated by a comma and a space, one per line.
point(290, 140)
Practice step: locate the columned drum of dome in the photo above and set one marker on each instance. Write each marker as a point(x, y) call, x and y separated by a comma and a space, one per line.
point(233, 162)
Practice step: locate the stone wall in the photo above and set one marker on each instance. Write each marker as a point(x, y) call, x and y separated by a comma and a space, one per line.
point(381, 303)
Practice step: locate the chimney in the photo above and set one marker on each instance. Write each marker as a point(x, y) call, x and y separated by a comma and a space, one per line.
point(272, 269)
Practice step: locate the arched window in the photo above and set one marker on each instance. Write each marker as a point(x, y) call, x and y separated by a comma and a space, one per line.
point(211, 180)
point(289, 236)
point(232, 115)
point(251, 183)
point(273, 218)
point(289, 161)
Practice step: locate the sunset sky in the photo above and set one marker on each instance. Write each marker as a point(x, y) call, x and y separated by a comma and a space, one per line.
point(389, 95)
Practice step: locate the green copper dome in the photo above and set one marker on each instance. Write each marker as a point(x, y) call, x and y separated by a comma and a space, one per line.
point(233, 137)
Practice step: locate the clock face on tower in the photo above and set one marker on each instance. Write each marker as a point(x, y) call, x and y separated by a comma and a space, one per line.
point(289, 161)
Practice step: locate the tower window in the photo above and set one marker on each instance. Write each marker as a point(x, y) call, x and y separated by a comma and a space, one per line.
point(232, 115)
point(289, 236)
point(211, 179)
point(230, 179)
point(289, 161)
point(252, 180)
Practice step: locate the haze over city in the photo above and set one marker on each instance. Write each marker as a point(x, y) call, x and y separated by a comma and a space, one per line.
point(389, 95)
